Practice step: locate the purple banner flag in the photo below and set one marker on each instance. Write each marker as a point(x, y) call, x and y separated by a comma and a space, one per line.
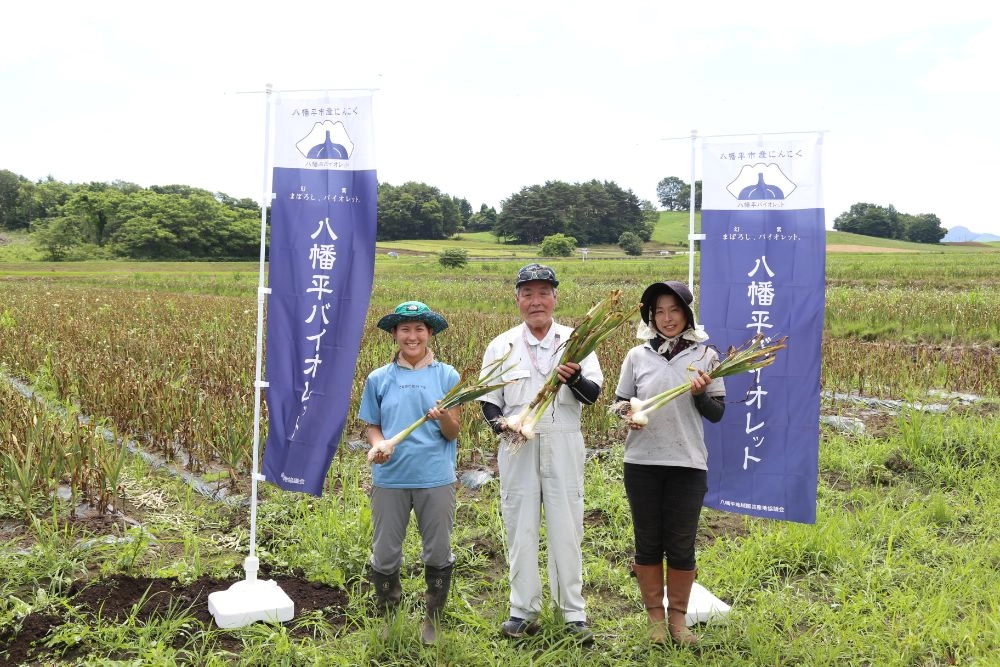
point(320, 269)
point(763, 264)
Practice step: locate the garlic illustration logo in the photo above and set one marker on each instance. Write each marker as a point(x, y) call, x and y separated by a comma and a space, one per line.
point(761, 181)
point(326, 141)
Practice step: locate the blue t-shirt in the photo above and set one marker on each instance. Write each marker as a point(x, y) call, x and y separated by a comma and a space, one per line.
point(394, 397)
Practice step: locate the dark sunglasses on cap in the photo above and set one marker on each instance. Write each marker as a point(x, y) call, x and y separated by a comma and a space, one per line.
point(536, 272)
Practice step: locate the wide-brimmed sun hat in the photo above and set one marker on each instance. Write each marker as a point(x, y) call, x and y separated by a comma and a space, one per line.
point(536, 272)
point(656, 290)
point(413, 311)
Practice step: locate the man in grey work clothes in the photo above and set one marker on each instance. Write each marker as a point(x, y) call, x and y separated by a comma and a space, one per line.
point(547, 469)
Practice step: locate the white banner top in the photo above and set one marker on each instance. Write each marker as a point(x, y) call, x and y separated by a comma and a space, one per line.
point(771, 173)
point(328, 132)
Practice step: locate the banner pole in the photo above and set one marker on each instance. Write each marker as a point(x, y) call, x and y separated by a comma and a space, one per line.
point(262, 291)
point(251, 599)
point(692, 237)
point(694, 139)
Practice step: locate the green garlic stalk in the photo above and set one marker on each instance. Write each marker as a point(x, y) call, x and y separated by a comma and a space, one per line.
point(602, 320)
point(750, 356)
point(469, 387)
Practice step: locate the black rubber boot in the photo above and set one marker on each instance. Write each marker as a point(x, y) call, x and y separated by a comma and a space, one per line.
point(438, 584)
point(388, 590)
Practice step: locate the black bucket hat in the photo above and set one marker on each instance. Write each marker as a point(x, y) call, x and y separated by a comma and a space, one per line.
point(413, 311)
point(536, 272)
point(678, 289)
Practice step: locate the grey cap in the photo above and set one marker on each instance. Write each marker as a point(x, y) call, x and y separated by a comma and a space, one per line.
point(536, 272)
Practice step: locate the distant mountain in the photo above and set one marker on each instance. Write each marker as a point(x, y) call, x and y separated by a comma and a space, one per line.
point(962, 234)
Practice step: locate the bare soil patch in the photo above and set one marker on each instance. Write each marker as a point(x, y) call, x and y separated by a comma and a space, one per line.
point(119, 597)
point(716, 525)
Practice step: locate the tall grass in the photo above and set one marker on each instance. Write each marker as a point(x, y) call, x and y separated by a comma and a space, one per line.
point(171, 367)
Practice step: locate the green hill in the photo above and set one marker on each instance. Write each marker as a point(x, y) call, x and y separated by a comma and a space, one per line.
point(673, 228)
point(847, 242)
point(670, 234)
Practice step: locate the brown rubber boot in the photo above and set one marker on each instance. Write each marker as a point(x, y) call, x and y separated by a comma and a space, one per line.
point(679, 584)
point(650, 579)
point(438, 581)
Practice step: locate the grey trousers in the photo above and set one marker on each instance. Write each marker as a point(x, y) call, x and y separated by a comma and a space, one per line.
point(435, 510)
point(546, 474)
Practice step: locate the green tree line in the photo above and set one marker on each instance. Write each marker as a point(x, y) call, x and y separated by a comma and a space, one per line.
point(591, 212)
point(420, 211)
point(888, 223)
point(120, 219)
point(96, 220)
point(179, 222)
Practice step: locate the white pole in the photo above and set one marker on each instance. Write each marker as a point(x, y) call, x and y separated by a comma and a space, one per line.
point(694, 139)
point(250, 600)
point(251, 563)
point(692, 237)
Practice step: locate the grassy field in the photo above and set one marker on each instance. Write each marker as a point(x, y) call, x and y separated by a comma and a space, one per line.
point(670, 234)
point(901, 567)
point(16, 247)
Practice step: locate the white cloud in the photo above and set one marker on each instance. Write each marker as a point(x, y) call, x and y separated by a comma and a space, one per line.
point(973, 69)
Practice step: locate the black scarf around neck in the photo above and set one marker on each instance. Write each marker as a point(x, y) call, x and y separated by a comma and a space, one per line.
point(679, 345)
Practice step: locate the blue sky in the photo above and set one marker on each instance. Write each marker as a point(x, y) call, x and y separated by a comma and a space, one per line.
point(480, 101)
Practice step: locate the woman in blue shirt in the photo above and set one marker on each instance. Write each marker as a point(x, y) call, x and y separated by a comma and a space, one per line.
point(419, 474)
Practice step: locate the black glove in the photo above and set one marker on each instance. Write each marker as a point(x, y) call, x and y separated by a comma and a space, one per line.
point(493, 415)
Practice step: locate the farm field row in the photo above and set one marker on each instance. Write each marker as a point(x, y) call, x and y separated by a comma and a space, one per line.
point(897, 570)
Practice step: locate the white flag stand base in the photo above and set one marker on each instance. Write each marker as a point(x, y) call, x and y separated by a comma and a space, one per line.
point(703, 607)
point(250, 600)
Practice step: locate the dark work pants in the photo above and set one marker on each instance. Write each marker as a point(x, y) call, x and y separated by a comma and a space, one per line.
point(666, 503)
